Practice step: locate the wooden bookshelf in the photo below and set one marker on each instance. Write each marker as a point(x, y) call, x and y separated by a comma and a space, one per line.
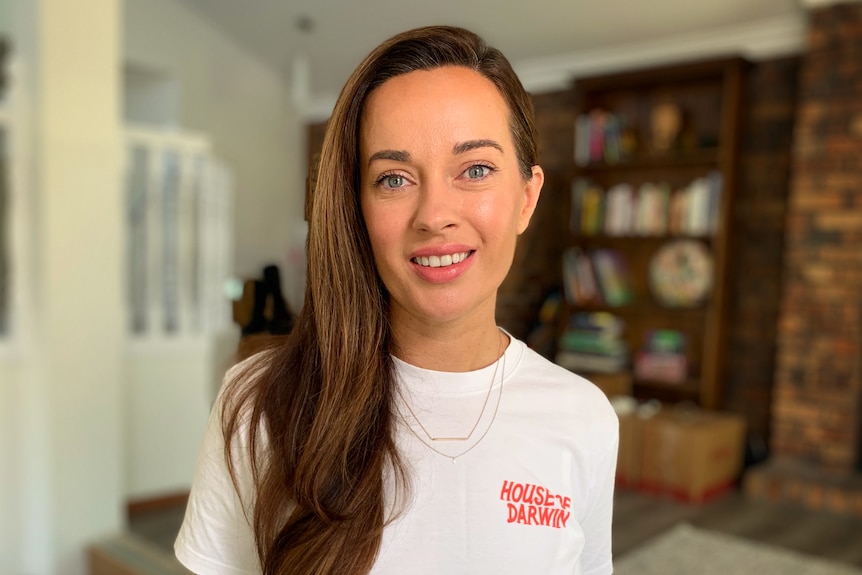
point(704, 100)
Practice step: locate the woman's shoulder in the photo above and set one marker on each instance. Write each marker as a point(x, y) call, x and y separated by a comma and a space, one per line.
point(244, 381)
point(254, 357)
point(250, 363)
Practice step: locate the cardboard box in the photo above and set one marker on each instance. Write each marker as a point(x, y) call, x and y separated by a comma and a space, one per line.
point(630, 454)
point(692, 454)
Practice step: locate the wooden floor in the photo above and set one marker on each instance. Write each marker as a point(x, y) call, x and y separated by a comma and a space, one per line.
point(637, 517)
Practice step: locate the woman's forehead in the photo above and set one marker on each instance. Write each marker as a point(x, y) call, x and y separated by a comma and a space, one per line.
point(443, 106)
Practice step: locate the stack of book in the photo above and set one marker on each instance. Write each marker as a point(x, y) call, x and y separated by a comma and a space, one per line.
point(601, 136)
point(662, 358)
point(592, 343)
point(597, 278)
point(650, 209)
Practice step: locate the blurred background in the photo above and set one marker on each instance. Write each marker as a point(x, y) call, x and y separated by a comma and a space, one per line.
point(154, 157)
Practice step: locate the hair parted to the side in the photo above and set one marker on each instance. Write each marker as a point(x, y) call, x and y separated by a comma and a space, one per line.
point(319, 415)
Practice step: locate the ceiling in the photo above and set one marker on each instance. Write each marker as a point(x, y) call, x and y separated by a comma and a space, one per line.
point(534, 34)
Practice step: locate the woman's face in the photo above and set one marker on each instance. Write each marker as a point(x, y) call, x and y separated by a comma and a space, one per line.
point(441, 193)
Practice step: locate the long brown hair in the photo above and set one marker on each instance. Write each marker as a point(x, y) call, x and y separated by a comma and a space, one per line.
point(319, 415)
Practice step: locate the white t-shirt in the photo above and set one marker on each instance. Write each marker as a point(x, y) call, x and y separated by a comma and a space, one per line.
point(531, 491)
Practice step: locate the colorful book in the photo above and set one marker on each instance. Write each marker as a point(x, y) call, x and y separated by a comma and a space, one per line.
point(592, 210)
point(591, 342)
point(590, 362)
point(580, 280)
point(613, 277)
point(597, 135)
point(601, 322)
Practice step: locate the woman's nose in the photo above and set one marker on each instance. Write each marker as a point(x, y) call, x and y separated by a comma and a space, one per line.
point(437, 206)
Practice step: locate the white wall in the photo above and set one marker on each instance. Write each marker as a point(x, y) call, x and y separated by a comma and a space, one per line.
point(60, 392)
point(10, 540)
point(6, 18)
point(243, 106)
point(9, 441)
point(171, 387)
point(179, 69)
point(149, 98)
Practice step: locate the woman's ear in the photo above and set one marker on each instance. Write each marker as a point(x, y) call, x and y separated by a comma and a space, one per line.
point(532, 190)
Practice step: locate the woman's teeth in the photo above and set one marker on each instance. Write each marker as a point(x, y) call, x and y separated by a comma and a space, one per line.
point(441, 261)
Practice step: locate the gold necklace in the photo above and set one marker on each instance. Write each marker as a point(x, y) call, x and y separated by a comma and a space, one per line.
point(475, 425)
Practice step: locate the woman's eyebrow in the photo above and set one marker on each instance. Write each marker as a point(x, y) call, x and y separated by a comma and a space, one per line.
point(474, 144)
point(395, 155)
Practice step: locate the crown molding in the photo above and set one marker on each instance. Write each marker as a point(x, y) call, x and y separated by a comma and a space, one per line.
point(754, 41)
point(811, 4)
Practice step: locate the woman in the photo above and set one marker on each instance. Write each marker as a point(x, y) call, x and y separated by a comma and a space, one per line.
point(397, 429)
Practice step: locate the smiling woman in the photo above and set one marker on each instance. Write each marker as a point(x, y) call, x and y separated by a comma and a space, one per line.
point(442, 183)
point(397, 428)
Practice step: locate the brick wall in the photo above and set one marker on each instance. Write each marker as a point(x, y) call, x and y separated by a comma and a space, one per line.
point(758, 239)
point(818, 378)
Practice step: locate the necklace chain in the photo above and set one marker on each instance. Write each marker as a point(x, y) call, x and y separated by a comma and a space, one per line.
point(475, 425)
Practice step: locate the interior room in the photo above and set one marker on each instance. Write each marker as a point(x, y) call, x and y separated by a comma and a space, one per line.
point(694, 254)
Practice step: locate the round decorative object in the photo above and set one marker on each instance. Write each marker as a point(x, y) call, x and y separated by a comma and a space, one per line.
point(681, 273)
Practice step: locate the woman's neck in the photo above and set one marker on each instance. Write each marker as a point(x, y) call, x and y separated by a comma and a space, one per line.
point(449, 348)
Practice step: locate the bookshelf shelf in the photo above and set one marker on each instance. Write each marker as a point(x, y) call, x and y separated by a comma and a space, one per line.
point(646, 307)
point(655, 166)
point(624, 240)
point(664, 391)
point(707, 158)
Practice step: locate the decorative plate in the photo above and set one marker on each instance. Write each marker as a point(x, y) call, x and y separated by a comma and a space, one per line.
point(681, 273)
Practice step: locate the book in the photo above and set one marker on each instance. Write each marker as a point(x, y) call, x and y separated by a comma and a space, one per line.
point(697, 208)
point(665, 341)
point(651, 218)
point(662, 357)
point(579, 188)
point(579, 278)
point(613, 135)
point(618, 210)
point(597, 135)
point(592, 210)
point(590, 362)
point(662, 367)
point(600, 322)
point(591, 342)
point(613, 277)
point(676, 209)
point(582, 140)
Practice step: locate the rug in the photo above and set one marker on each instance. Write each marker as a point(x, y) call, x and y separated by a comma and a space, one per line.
point(687, 550)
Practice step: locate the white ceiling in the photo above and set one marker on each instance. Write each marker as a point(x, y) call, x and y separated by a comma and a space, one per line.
point(542, 38)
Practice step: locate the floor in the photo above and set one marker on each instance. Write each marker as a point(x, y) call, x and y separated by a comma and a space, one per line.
point(637, 517)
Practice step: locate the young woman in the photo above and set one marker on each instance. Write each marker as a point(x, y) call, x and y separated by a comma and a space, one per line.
point(398, 430)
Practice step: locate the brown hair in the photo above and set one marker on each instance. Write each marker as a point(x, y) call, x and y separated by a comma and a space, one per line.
point(320, 414)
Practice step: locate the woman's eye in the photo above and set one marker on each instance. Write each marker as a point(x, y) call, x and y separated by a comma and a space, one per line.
point(392, 181)
point(477, 172)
